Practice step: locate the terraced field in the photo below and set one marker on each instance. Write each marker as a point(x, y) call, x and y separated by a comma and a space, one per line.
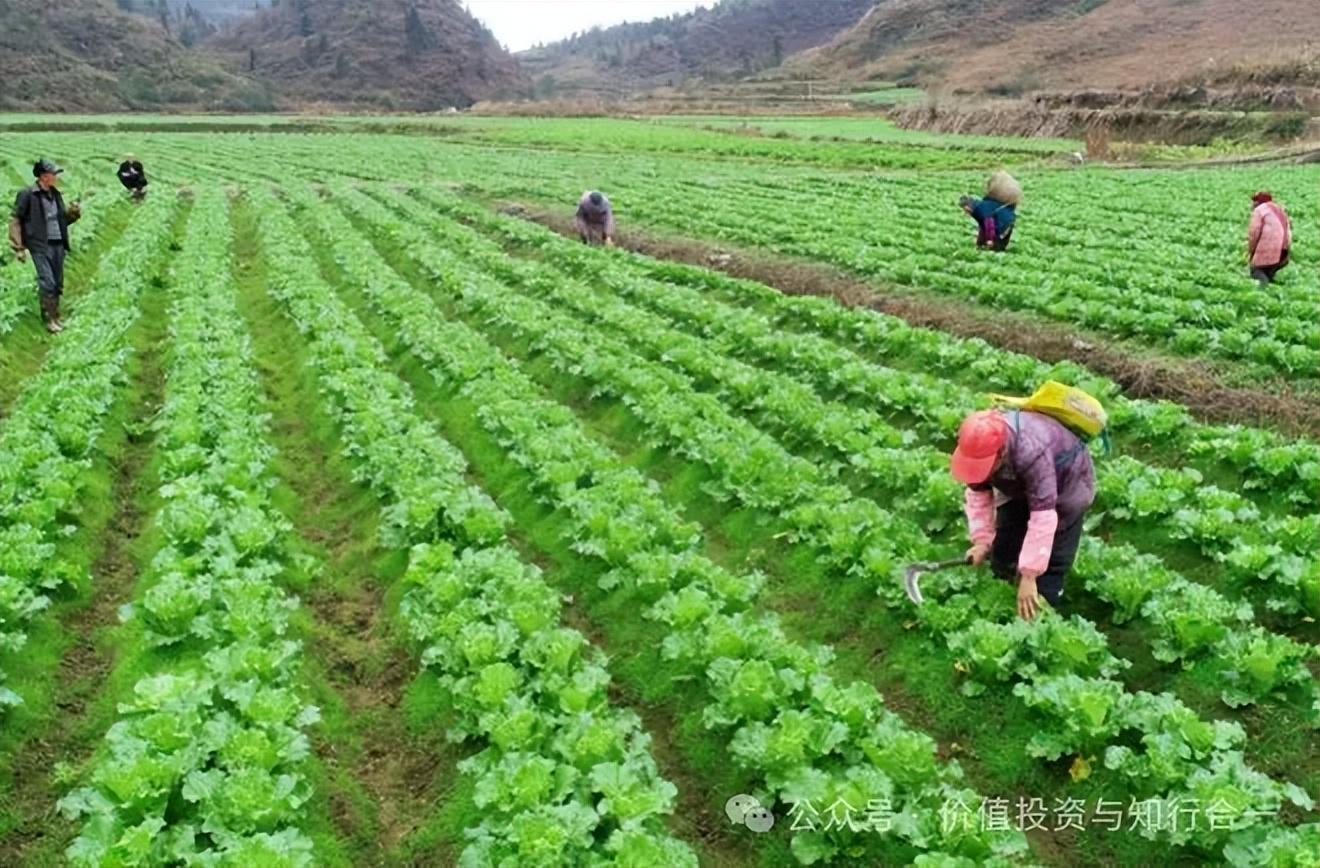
point(354, 520)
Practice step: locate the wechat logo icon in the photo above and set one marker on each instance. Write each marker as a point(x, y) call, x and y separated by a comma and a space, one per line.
point(745, 810)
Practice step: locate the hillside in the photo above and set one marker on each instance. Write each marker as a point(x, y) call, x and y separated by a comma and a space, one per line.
point(92, 55)
point(221, 11)
point(733, 39)
point(214, 12)
point(1015, 46)
point(389, 54)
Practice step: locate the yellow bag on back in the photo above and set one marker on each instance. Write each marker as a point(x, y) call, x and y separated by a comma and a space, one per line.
point(1078, 411)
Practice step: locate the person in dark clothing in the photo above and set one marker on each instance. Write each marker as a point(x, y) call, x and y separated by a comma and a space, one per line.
point(133, 176)
point(39, 225)
point(996, 213)
point(595, 219)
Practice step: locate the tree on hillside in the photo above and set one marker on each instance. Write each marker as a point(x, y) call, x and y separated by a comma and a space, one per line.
point(418, 37)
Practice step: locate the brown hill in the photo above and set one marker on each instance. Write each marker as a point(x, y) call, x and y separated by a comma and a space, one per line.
point(386, 54)
point(1014, 46)
point(733, 39)
point(91, 55)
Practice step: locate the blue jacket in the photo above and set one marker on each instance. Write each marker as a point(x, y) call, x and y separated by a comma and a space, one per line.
point(1004, 215)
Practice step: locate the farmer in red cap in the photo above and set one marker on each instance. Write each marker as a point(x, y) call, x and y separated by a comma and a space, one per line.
point(1268, 238)
point(1029, 484)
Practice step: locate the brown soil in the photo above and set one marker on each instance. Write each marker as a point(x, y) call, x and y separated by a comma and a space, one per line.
point(362, 663)
point(1142, 374)
point(370, 673)
point(383, 780)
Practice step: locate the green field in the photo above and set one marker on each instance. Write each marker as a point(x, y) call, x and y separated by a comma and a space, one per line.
point(358, 520)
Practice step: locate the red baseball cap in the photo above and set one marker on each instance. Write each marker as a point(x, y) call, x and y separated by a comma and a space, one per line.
point(980, 437)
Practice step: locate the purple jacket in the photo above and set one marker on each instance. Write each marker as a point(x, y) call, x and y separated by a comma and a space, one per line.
point(597, 218)
point(1046, 465)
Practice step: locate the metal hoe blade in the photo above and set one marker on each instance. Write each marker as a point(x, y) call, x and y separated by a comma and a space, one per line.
point(912, 576)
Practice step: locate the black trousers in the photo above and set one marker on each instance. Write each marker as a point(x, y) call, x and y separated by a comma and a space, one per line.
point(1265, 273)
point(48, 259)
point(1011, 529)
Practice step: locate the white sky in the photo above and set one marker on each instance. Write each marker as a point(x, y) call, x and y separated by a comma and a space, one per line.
point(520, 24)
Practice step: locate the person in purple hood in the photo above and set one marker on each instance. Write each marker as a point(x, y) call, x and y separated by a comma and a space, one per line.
point(1029, 484)
point(595, 219)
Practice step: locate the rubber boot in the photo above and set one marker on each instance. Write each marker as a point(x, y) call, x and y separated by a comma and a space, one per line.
point(55, 306)
point(50, 314)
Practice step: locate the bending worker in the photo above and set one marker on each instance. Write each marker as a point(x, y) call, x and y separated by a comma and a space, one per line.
point(595, 219)
point(1269, 238)
point(996, 213)
point(1029, 484)
point(39, 224)
point(133, 176)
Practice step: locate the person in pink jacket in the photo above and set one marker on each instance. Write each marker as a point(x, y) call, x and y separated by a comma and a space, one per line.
point(1269, 238)
point(1029, 482)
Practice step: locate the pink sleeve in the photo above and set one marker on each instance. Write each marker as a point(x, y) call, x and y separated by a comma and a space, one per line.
point(1253, 231)
point(1039, 542)
point(980, 509)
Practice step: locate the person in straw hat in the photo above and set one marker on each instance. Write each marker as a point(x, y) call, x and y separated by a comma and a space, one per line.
point(133, 176)
point(996, 213)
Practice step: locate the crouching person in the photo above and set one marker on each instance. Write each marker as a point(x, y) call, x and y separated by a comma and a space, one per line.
point(595, 219)
point(1030, 482)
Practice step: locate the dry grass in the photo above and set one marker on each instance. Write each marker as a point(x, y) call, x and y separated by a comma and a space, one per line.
point(1025, 45)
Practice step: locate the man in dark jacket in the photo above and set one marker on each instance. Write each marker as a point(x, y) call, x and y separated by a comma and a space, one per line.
point(595, 219)
point(39, 224)
point(133, 176)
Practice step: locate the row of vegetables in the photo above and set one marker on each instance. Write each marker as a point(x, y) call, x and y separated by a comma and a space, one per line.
point(1191, 621)
point(562, 775)
point(205, 762)
point(794, 729)
point(1254, 548)
point(49, 437)
point(1114, 274)
point(1269, 466)
point(1096, 658)
point(853, 533)
point(1164, 268)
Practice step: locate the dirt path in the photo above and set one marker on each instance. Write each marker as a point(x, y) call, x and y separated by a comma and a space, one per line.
point(384, 777)
point(1142, 374)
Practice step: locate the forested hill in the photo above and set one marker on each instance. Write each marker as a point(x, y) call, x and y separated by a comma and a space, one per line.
point(386, 54)
point(734, 38)
point(95, 55)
